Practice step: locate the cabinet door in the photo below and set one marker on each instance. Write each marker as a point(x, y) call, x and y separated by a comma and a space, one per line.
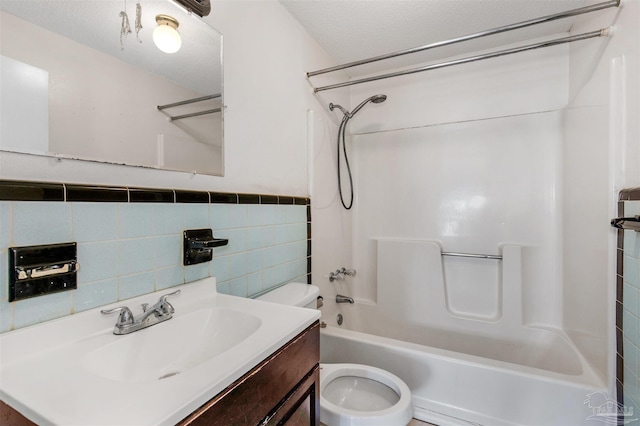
point(302, 406)
point(275, 389)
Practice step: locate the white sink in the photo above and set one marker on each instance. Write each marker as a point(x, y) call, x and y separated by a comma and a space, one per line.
point(75, 371)
point(172, 347)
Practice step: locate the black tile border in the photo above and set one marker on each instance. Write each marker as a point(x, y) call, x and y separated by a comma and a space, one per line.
point(90, 193)
point(223, 198)
point(629, 194)
point(619, 299)
point(144, 195)
point(14, 190)
point(268, 199)
point(192, 197)
point(248, 199)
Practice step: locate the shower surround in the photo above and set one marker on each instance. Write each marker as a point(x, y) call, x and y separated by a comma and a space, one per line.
point(519, 158)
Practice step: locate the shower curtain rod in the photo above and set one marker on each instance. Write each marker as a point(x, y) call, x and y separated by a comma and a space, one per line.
point(598, 33)
point(195, 114)
point(498, 30)
point(189, 101)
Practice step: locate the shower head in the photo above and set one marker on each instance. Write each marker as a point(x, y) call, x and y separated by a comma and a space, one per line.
point(376, 99)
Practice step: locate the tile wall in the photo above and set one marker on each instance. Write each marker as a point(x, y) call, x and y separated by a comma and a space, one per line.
point(628, 307)
point(127, 248)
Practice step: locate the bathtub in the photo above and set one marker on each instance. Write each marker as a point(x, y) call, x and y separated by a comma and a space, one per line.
point(538, 378)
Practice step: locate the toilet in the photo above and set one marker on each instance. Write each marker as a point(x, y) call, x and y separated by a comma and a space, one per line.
point(351, 394)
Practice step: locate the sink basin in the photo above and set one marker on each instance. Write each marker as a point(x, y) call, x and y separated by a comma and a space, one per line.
point(171, 347)
point(156, 376)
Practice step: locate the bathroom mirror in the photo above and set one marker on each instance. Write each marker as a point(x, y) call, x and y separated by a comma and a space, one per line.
point(77, 84)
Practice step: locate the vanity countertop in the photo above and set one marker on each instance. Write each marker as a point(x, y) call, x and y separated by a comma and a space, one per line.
point(75, 371)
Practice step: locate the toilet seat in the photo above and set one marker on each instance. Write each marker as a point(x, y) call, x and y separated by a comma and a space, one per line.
point(332, 414)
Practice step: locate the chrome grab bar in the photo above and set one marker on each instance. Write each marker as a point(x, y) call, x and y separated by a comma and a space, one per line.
point(477, 256)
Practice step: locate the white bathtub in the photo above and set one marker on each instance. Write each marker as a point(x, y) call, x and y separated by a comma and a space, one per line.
point(457, 379)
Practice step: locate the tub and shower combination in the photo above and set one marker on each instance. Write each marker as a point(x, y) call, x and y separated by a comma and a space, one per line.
point(464, 365)
point(511, 164)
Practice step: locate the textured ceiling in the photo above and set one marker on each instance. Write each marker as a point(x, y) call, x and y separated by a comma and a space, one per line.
point(350, 30)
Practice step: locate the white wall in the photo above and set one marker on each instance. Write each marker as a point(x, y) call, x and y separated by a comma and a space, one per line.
point(601, 153)
point(266, 55)
point(468, 157)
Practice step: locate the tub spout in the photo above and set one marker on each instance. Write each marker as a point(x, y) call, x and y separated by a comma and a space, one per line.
point(343, 299)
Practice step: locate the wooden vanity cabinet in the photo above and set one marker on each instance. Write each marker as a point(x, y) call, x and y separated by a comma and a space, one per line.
point(284, 389)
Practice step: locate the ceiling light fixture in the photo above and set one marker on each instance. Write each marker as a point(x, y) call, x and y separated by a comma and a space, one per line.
point(166, 36)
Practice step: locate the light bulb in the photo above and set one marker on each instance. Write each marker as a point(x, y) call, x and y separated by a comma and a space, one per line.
point(166, 36)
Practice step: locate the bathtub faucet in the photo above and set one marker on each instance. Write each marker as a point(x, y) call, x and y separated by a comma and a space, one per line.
point(348, 272)
point(339, 274)
point(343, 299)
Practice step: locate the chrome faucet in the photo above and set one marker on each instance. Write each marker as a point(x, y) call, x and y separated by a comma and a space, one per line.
point(339, 274)
point(128, 323)
point(343, 299)
point(348, 272)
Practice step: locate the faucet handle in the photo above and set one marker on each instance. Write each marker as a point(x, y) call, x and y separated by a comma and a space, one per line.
point(164, 306)
point(349, 272)
point(126, 316)
point(337, 275)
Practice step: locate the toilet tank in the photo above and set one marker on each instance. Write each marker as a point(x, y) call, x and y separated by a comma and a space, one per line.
point(294, 294)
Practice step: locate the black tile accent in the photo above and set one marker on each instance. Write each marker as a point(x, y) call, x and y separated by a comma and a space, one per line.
point(31, 191)
point(268, 199)
point(619, 341)
point(46, 191)
point(285, 200)
point(192, 197)
point(248, 199)
point(309, 247)
point(620, 238)
point(619, 308)
point(223, 198)
point(619, 315)
point(620, 393)
point(308, 213)
point(308, 230)
point(142, 195)
point(309, 278)
point(619, 288)
point(90, 193)
point(620, 368)
point(620, 261)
